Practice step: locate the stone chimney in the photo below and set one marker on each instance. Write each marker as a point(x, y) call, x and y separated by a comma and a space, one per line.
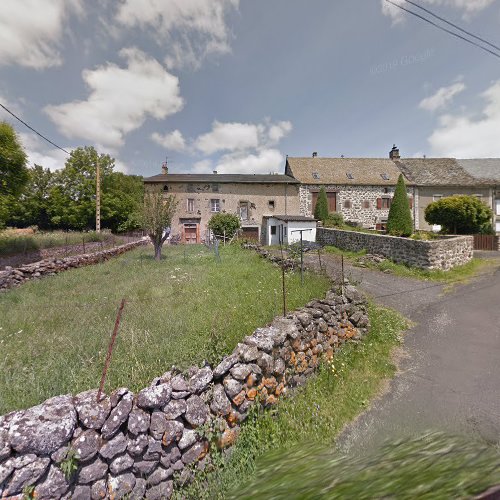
point(164, 168)
point(394, 153)
point(315, 154)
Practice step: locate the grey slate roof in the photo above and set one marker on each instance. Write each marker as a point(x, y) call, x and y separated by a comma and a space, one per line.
point(223, 178)
point(438, 172)
point(482, 168)
point(291, 218)
point(344, 171)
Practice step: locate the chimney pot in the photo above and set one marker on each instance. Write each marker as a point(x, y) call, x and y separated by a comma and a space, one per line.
point(215, 172)
point(315, 154)
point(394, 153)
point(164, 168)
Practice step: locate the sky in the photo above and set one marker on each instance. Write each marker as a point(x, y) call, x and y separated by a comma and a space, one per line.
point(236, 85)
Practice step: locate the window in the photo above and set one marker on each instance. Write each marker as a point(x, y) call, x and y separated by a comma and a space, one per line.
point(385, 177)
point(190, 205)
point(165, 188)
point(366, 204)
point(315, 175)
point(271, 204)
point(243, 210)
point(273, 230)
point(350, 176)
point(480, 196)
point(384, 203)
point(215, 205)
point(497, 207)
point(347, 204)
point(436, 197)
point(215, 188)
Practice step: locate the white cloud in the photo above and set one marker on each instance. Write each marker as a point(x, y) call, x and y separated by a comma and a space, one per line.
point(173, 141)
point(190, 29)
point(264, 161)
point(120, 100)
point(31, 31)
point(202, 167)
point(242, 136)
point(468, 137)
point(467, 7)
point(41, 153)
point(442, 97)
point(228, 137)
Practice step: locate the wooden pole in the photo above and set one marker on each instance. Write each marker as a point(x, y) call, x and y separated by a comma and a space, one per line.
point(98, 196)
point(283, 279)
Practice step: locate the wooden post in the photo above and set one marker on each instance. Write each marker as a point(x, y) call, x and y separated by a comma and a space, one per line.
point(283, 280)
point(98, 196)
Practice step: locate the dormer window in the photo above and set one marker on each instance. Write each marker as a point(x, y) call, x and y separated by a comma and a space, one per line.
point(315, 175)
point(385, 177)
point(350, 176)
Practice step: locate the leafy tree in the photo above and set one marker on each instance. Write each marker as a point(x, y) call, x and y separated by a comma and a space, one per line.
point(321, 209)
point(460, 214)
point(156, 218)
point(13, 169)
point(399, 222)
point(222, 223)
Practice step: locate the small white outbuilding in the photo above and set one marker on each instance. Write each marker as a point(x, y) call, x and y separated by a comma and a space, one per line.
point(286, 229)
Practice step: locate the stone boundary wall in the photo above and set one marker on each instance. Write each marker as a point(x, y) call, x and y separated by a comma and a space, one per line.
point(132, 445)
point(12, 277)
point(444, 253)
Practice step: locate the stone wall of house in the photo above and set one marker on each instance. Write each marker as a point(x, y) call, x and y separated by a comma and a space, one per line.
point(12, 277)
point(362, 200)
point(444, 253)
point(139, 445)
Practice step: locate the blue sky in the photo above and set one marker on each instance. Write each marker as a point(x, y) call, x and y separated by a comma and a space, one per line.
point(235, 85)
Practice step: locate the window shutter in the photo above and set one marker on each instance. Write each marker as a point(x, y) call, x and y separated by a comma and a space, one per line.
point(379, 203)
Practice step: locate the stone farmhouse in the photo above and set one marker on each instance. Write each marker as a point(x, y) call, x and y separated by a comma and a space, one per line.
point(361, 189)
point(252, 197)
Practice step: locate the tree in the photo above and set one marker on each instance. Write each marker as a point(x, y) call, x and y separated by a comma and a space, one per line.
point(13, 169)
point(224, 224)
point(321, 209)
point(460, 214)
point(399, 222)
point(158, 211)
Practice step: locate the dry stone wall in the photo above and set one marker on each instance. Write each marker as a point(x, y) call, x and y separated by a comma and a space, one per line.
point(133, 445)
point(12, 277)
point(444, 253)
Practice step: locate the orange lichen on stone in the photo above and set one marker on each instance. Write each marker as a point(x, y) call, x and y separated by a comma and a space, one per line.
point(270, 383)
point(228, 438)
point(232, 418)
point(251, 380)
point(252, 393)
point(280, 389)
point(293, 358)
point(239, 398)
point(271, 400)
point(264, 393)
point(329, 353)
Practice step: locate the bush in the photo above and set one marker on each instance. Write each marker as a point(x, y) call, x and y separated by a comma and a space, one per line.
point(221, 224)
point(399, 222)
point(460, 214)
point(335, 219)
point(321, 209)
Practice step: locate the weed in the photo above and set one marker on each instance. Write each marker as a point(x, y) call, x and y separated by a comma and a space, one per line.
point(70, 464)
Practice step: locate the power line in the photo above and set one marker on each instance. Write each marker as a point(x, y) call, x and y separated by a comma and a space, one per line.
point(442, 28)
point(31, 128)
point(454, 25)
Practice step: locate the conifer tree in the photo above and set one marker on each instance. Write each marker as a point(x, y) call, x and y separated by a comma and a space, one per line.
point(321, 210)
point(400, 222)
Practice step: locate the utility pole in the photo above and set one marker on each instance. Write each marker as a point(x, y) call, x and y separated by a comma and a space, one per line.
point(98, 196)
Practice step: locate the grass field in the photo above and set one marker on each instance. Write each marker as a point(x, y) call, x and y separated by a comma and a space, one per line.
point(311, 418)
point(13, 242)
point(54, 333)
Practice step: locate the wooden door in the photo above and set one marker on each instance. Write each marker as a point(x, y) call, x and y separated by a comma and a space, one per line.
point(330, 196)
point(191, 234)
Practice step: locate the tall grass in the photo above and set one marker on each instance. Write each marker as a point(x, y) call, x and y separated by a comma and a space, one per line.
point(12, 242)
point(187, 308)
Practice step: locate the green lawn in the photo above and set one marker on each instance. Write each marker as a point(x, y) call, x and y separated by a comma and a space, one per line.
point(311, 417)
point(54, 333)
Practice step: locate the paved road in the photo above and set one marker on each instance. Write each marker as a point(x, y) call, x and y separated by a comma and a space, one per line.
point(449, 378)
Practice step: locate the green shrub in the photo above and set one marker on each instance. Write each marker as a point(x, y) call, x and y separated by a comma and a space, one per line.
point(399, 222)
point(460, 214)
point(334, 219)
point(321, 209)
point(221, 224)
